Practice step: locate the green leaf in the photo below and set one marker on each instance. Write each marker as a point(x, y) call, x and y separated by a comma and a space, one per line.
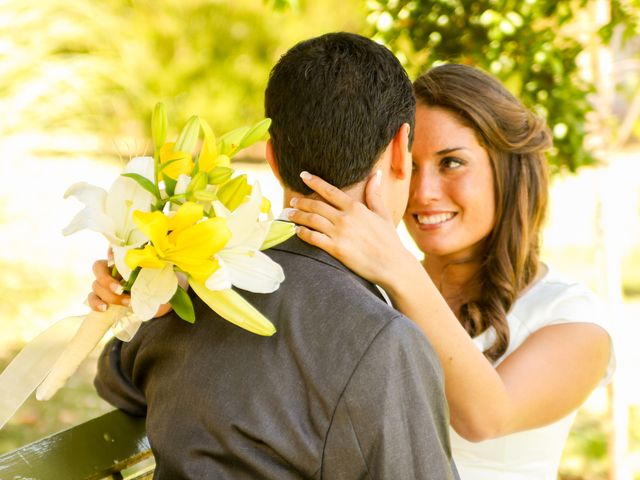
point(181, 303)
point(145, 183)
point(169, 184)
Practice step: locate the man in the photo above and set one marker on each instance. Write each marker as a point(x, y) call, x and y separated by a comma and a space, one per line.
point(348, 387)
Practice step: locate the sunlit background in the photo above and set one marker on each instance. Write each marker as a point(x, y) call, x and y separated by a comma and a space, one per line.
point(78, 81)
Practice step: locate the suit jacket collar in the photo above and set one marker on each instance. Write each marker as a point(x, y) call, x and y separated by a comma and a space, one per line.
point(296, 246)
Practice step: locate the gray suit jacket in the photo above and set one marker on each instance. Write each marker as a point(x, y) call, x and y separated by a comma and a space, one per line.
point(347, 388)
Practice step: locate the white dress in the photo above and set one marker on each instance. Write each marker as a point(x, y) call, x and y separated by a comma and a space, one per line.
point(533, 454)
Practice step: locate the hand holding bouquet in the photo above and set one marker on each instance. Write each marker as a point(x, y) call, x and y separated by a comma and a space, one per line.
point(172, 215)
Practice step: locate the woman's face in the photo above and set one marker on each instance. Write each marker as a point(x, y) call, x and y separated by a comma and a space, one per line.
point(451, 203)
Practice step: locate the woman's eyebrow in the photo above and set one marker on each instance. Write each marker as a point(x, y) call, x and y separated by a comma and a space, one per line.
point(449, 150)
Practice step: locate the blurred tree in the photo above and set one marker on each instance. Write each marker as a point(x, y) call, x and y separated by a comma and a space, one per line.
point(530, 45)
point(100, 67)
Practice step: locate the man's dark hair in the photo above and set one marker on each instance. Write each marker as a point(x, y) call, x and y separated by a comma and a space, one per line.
point(335, 102)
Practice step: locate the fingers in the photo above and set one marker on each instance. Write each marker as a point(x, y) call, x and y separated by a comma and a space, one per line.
point(102, 272)
point(331, 194)
point(373, 195)
point(95, 303)
point(163, 310)
point(106, 290)
point(310, 220)
point(108, 296)
point(319, 207)
point(316, 239)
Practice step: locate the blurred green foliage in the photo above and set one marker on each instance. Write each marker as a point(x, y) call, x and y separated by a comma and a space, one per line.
point(530, 45)
point(100, 67)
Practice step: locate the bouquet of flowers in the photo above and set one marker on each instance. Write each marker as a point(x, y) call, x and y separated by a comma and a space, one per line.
point(174, 221)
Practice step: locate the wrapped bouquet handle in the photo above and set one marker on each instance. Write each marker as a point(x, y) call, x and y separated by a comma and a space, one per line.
point(91, 330)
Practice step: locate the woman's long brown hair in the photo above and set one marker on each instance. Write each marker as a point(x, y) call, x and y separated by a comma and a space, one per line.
point(515, 140)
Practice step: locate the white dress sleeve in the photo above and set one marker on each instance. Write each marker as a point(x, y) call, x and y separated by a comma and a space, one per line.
point(558, 301)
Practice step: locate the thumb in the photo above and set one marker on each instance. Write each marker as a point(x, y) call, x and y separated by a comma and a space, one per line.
point(373, 195)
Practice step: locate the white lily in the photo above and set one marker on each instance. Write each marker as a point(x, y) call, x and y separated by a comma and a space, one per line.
point(242, 264)
point(110, 213)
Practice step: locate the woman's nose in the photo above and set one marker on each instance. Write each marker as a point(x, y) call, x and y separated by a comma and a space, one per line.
point(426, 185)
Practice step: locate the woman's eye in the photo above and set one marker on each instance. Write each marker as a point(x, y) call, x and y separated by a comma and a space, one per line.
point(451, 162)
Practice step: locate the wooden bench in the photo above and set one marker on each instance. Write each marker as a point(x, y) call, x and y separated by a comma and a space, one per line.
point(111, 446)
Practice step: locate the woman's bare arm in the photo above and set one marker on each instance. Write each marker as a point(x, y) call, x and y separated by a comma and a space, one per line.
point(549, 376)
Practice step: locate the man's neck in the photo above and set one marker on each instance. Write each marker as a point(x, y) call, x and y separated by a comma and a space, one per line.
point(356, 192)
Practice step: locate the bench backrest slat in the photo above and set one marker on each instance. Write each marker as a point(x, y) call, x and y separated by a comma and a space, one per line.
point(91, 450)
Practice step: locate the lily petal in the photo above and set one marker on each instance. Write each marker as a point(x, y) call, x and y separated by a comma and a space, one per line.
point(152, 288)
point(142, 166)
point(146, 257)
point(182, 184)
point(230, 305)
point(154, 225)
point(279, 231)
point(93, 216)
point(219, 280)
point(250, 269)
point(126, 196)
point(118, 257)
point(188, 214)
point(243, 222)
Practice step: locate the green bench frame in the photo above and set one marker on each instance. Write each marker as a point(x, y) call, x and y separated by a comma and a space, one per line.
point(105, 447)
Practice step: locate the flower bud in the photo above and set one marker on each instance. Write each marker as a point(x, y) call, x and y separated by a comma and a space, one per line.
point(219, 175)
point(159, 125)
point(189, 136)
point(234, 192)
point(198, 182)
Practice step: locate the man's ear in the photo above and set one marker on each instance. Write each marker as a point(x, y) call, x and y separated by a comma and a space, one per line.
point(400, 154)
point(271, 160)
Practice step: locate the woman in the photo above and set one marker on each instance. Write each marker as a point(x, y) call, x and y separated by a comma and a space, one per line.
point(478, 199)
point(520, 348)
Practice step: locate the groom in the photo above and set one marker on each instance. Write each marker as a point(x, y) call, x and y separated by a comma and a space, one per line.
point(347, 388)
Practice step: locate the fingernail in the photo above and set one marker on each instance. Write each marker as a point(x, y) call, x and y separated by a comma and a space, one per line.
point(293, 202)
point(305, 175)
point(110, 262)
point(287, 212)
point(378, 177)
point(116, 288)
point(102, 307)
point(298, 229)
point(126, 301)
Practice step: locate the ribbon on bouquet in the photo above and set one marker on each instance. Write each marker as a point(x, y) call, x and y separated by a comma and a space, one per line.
point(47, 362)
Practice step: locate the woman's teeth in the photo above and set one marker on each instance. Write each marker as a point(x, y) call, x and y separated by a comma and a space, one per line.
point(434, 219)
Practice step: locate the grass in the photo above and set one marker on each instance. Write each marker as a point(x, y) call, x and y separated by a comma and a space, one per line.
point(585, 455)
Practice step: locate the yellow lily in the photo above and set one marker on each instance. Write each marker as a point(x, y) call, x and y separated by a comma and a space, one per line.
point(209, 157)
point(175, 163)
point(184, 240)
